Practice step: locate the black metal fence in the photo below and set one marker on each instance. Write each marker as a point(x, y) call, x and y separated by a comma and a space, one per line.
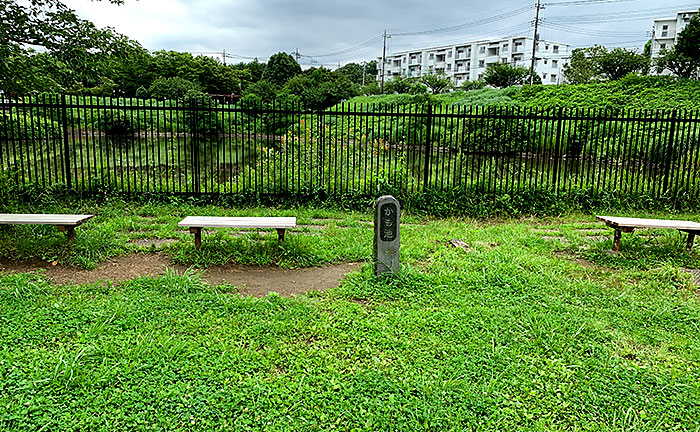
point(199, 146)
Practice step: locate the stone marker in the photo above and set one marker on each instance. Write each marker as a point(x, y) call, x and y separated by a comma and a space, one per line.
point(386, 235)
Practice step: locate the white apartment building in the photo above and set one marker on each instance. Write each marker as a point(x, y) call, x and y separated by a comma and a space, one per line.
point(666, 31)
point(468, 61)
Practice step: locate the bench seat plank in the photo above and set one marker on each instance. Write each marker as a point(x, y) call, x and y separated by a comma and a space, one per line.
point(196, 223)
point(620, 224)
point(625, 222)
point(43, 219)
point(238, 222)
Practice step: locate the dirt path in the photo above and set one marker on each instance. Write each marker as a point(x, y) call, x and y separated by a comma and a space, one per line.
point(249, 280)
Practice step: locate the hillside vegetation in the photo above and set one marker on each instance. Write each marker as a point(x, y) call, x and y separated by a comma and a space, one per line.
point(632, 92)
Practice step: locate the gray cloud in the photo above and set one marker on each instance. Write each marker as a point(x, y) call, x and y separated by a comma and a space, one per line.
point(261, 28)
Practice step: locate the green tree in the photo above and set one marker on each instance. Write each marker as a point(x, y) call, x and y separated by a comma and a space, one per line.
point(401, 85)
point(172, 88)
point(351, 71)
point(504, 75)
point(683, 60)
point(261, 91)
point(372, 88)
point(280, 68)
point(473, 85)
point(688, 43)
point(678, 64)
point(619, 62)
point(320, 88)
point(583, 67)
point(437, 83)
point(58, 31)
point(371, 70)
point(597, 63)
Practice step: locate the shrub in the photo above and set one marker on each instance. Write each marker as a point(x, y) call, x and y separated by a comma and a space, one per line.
point(142, 93)
point(172, 88)
point(199, 120)
point(115, 122)
point(27, 126)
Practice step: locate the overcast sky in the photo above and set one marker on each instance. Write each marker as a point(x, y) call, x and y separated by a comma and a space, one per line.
point(332, 32)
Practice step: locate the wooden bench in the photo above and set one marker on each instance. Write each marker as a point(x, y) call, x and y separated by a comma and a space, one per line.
point(628, 225)
point(64, 222)
point(196, 223)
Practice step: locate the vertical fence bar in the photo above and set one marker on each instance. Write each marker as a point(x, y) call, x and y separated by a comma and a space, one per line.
point(557, 151)
point(428, 147)
point(670, 146)
point(66, 145)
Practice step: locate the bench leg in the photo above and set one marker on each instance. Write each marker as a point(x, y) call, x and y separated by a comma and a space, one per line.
point(689, 244)
point(197, 237)
point(616, 240)
point(280, 235)
point(69, 230)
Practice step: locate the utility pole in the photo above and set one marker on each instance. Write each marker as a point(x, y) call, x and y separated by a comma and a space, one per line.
point(364, 66)
point(223, 56)
point(381, 87)
point(534, 42)
point(297, 55)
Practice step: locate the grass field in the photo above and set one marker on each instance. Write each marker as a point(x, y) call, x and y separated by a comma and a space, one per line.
point(535, 327)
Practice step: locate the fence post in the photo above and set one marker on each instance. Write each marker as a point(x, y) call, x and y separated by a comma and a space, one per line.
point(194, 130)
point(670, 145)
point(428, 147)
point(66, 146)
point(557, 150)
point(321, 148)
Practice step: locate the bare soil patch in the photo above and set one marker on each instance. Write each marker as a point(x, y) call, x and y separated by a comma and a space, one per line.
point(545, 230)
point(694, 275)
point(560, 239)
point(154, 242)
point(573, 258)
point(249, 280)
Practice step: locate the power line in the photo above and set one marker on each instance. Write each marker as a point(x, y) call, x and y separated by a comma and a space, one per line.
point(368, 42)
point(584, 2)
point(466, 25)
point(615, 16)
point(592, 32)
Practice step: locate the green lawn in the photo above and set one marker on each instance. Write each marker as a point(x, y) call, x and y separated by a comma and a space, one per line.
point(536, 328)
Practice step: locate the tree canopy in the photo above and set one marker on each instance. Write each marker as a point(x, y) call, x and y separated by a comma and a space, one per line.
point(504, 75)
point(683, 60)
point(78, 49)
point(597, 63)
point(280, 68)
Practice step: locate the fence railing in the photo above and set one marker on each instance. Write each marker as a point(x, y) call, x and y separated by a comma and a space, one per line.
point(198, 146)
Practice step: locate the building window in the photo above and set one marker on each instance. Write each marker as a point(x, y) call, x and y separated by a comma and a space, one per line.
point(449, 66)
point(555, 63)
point(545, 61)
point(431, 56)
point(481, 63)
point(546, 47)
point(555, 49)
point(449, 54)
point(553, 78)
point(482, 50)
point(505, 47)
point(663, 46)
point(504, 60)
point(544, 76)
